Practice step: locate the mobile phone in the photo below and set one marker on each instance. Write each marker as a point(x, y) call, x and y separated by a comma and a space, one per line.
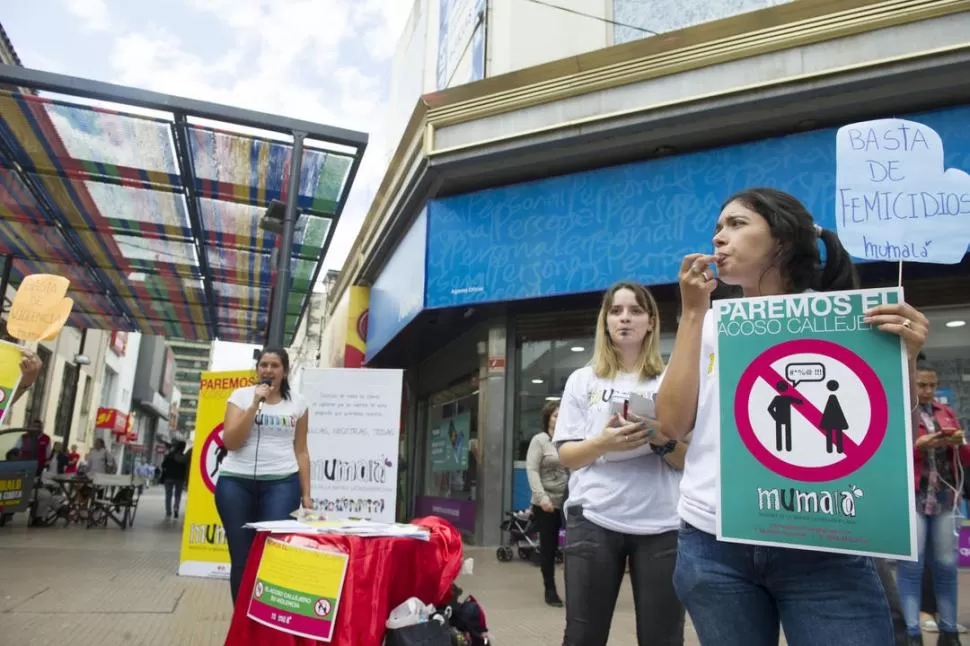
point(642, 406)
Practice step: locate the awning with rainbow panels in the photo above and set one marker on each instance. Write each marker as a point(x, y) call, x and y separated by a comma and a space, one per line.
point(154, 220)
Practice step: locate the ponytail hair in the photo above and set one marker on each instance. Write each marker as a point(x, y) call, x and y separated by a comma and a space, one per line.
point(837, 272)
point(285, 360)
point(801, 243)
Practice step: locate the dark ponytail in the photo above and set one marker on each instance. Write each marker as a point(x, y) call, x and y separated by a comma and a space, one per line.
point(838, 272)
point(285, 360)
point(800, 242)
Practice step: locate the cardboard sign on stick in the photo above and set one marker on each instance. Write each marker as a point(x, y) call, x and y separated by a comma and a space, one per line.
point(39, 309)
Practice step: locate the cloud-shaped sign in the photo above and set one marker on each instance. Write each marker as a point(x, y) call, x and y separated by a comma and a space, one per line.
point(894, 198)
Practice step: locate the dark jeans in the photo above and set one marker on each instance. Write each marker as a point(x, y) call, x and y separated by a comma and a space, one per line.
point(737, 594)
point(173, 490)
point(884, 569)
point(244, 500)
point(596, 559)
point(548, 523)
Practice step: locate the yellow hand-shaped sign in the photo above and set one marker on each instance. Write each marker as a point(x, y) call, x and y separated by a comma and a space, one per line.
point(39, 309)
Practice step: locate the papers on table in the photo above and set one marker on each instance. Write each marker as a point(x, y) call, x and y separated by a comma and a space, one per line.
point(347, 527)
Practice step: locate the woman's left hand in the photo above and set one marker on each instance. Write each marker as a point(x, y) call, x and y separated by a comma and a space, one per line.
point(904, 320)
point(307, 502)
point(655, 435)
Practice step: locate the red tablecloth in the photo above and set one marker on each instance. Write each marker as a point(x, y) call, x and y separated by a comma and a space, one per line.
point(382, 573)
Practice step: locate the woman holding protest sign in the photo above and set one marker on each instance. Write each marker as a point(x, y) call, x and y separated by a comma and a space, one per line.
point(625, 474)
point(765, 243)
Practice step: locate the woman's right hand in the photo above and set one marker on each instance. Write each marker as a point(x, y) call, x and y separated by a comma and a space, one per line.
point(546, 506)
point(631, 435)
point(697, 281)
point(262, 392)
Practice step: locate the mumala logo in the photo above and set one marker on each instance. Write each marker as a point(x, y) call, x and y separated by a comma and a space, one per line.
point(362, 471)
point(829, 503)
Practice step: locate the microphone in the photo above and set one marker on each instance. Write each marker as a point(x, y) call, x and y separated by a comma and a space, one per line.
point(264, 382)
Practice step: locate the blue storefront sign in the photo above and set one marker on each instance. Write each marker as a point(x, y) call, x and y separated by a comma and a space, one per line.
point(397, 296)
point(582, 232)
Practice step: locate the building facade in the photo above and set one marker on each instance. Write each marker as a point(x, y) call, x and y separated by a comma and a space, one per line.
point(511, 203)
point(191, 359)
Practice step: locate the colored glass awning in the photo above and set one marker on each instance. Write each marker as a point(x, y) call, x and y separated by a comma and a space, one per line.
point(155, 219)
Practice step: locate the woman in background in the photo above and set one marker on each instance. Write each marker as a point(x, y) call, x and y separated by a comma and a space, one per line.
point(547, 479)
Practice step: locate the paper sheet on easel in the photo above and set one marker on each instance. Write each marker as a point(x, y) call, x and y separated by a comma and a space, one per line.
point(40, 309)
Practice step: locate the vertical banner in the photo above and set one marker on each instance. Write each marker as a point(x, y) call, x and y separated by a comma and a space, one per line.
point(355, 422)
point(204, 551)
point(815, 425)
point(10, 357)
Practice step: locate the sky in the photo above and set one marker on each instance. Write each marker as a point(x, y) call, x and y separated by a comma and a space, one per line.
point(326, 61)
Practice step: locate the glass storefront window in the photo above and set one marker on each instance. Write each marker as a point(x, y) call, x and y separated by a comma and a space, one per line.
point(450, 467)
point(544, 367)
point(947, 349)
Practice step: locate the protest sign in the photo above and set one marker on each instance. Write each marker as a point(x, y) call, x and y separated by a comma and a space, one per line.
point(815, 425)
point(298, 589)
point(205, 552)
point(39, 309)
point(16, 484)
point(895, 199)
point(354, 435)
point(10, 358)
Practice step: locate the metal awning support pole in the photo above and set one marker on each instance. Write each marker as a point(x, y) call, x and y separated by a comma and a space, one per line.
point(277, 322)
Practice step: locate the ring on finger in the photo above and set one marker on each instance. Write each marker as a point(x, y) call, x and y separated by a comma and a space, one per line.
point(908, 324)
point(706, 275)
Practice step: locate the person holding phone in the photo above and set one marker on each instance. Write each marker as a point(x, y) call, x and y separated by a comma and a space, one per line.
point(266, 472)
point(939, 453)
point(765, 243)
point(624, 480)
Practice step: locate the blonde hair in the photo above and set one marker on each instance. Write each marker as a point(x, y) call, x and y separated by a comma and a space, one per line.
point(605, 362)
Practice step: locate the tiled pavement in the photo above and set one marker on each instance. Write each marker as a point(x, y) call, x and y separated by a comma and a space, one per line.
point(107, 587)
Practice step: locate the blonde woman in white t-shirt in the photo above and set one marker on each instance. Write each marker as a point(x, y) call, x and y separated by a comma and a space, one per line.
point(266, 472)
point(765, 243)
point(622, 505)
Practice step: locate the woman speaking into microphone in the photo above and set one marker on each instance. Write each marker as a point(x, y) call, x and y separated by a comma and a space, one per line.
point(266, 471)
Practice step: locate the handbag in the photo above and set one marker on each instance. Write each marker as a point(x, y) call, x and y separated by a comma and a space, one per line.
point(429, 633)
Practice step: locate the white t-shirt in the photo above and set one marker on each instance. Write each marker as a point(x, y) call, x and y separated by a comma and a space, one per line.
point(633, 496)
point(698, 489)
point(273, 431)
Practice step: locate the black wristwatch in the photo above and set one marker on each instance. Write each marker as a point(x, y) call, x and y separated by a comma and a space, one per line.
point(666, 448)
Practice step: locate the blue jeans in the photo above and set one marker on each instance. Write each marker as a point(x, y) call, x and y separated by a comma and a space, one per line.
point(244, 500)
point(937, 534)
point(736, 595)
point(173, 489)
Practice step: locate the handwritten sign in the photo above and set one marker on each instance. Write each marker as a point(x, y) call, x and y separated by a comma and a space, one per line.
point(895, 200)
point(39, 309)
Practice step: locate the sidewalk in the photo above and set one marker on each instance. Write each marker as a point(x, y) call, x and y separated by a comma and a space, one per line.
point(112, 587)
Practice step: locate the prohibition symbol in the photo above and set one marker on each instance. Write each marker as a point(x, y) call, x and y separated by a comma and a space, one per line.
point(322, 607)
point(259, 589)
point(213, 451)
point(811, 410)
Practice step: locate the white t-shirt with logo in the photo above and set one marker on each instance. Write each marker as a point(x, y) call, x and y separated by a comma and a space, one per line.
point(698, 489)
point(632, 496)
point(273, 430)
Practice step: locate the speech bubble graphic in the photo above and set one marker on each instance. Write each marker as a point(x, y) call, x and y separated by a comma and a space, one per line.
point(798, 373)
point(894, 198)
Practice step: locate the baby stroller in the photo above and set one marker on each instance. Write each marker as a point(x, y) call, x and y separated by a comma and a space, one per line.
point(522, 538)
